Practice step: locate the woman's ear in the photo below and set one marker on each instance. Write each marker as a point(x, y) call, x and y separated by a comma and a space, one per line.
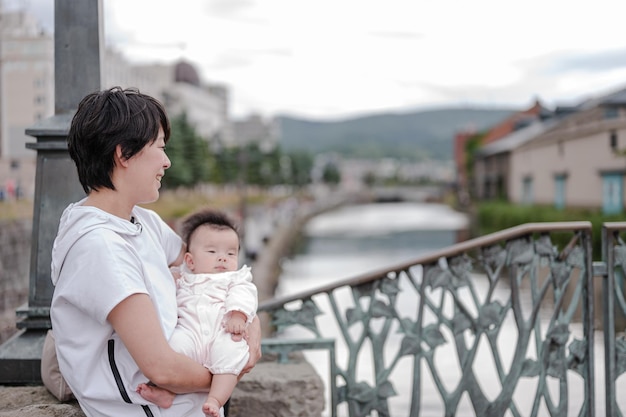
point(119, 158)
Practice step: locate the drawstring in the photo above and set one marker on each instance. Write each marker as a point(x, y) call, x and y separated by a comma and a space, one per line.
point(118, 379)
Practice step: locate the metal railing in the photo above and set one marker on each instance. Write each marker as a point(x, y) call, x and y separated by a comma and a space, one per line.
point(614, 311)
point(498, 325)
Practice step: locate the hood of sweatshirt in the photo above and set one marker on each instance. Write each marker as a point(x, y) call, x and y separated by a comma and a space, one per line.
point(78, 220)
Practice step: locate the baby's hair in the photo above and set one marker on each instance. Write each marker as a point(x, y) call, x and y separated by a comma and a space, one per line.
point(213, 218)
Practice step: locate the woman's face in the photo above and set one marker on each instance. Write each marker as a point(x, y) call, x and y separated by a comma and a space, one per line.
point(147, 170)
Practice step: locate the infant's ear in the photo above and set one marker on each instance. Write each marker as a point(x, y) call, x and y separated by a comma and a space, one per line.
point(188, 259)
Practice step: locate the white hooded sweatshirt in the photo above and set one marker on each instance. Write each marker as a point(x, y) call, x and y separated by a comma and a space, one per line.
point(98, 260)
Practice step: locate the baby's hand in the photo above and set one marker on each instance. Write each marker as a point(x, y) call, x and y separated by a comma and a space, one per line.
point(236, 323)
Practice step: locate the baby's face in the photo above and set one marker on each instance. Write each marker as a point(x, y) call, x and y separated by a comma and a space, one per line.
point(212, 251)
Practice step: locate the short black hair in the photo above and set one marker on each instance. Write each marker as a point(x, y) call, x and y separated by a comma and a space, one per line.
point(209, 217)
point(106, 119)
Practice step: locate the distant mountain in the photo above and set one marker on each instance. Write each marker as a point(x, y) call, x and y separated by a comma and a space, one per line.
point(414, 135)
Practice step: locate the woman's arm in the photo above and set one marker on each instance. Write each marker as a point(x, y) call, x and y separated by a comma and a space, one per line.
point(181, 256)
point(136, 322)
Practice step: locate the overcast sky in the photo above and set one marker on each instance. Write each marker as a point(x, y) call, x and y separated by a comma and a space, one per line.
point(342, 58)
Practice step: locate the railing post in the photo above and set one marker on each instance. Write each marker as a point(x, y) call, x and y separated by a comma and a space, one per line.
point(608, 297)
point(588, 297)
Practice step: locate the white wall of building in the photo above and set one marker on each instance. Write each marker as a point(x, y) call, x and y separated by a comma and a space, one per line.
point(26, 96)
point(581, 152)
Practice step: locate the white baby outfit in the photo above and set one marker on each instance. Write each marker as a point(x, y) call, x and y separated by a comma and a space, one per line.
point(204, 300)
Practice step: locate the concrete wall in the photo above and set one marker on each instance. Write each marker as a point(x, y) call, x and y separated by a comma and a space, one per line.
point(15, 238)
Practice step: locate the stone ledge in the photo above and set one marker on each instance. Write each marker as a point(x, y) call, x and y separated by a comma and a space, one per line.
point(293, 389)
point(34, 401)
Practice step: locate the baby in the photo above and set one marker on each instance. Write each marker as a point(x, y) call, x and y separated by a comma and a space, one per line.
point(216, 301)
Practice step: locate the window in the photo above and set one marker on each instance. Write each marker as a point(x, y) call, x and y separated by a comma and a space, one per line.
point(559, 191)
point(611, 113)
point(527, 190)
point(612, 193)
point(613, 140)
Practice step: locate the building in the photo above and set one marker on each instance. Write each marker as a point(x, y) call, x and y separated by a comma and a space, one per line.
point(463, 161)
point(26, 96)
point(255, 129)
point(576, 158)
point(492, 162)
point(206, 105)
point(180, 88)
point(578, 162)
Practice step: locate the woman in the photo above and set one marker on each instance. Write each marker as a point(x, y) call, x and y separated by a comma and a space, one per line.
point(114, 302)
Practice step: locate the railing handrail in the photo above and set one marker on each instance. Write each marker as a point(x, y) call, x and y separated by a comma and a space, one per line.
point(611, 226)
point(434, 256)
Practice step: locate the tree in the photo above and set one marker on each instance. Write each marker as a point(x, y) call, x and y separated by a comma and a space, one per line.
point(296, 168)
point(189, 154)
point(253, 166)
point(331, 174)
point(472, 145)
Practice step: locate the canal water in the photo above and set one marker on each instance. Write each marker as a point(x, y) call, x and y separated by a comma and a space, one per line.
point(359, 239)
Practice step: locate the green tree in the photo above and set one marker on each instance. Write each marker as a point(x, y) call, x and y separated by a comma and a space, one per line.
point(331, 174)
point(298, 170)
point(227, 166)
point(253, 166)
point(189, 153)
point(472, 145)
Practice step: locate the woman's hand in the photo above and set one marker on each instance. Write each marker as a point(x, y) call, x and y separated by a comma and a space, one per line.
point(253, 338)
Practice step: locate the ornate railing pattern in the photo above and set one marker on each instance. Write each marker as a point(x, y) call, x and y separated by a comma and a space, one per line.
point(614, 312)
point(433, 336)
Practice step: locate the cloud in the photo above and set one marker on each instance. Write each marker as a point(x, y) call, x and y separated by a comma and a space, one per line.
point(229, 60)
point(589, 62)
point(243, 11)
point(398, 35)
point(285, 52)
point(333, 58)
point(229, 8)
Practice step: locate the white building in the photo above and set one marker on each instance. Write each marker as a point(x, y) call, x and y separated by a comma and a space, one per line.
point(255, 129)
point(180, 88)
point(26, 96)
point(206, 105)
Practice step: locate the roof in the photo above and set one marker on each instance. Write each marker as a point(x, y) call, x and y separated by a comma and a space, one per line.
point(184, 72)
point(517, 138)
point(515, 121)
point(616, 98)
point(528, 133)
